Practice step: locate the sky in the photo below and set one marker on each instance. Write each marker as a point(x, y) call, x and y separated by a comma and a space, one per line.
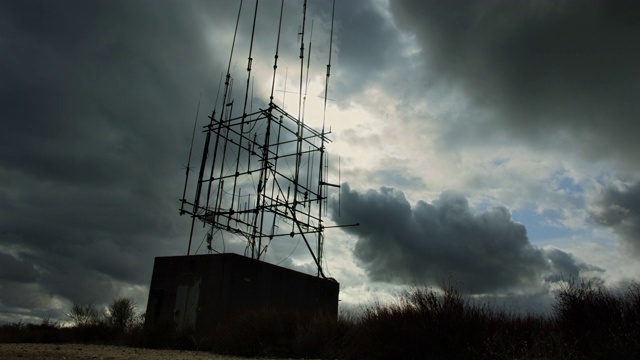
point(488, 143)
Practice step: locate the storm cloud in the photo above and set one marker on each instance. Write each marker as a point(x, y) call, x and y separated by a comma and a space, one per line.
point(18, 270)
point(96, 97)
point(619, 208)
point(99, 99)
point(484, 251)
point(551, 73)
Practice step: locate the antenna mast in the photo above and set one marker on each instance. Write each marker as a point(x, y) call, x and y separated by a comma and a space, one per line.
point(264, 197)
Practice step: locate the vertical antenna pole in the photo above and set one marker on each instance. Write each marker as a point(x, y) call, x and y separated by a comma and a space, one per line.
point(306, 85)
point(227, 93)
point(299, 133)
point(244, 110)
point(196, 204)
point(253, 82)
point(284, 93)
point(275, 58)
point(262, 183)
point(326, 84)
point(186, 180)
point(321, 173)
point(304, 19)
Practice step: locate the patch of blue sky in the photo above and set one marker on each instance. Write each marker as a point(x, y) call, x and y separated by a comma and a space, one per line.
point(543, 227)
point(564, 181)
point(569, 184)
point(497, 162)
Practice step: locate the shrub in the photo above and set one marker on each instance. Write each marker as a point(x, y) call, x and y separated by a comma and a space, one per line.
point(83, 314)
point(447, 325)
point(442, 325)
point(596, 322)
point(122, 313)
point(588, 321)
point(587, 312)
point(269, 332)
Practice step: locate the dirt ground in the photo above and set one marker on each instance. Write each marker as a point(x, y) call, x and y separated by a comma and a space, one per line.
point(98, 352)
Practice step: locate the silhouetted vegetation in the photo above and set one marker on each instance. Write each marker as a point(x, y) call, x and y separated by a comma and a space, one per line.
point(121, 314)
point(83, 314)
point(588, 322)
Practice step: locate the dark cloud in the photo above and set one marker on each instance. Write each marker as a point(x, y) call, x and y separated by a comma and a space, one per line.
point(566, 266)
point(367, 44)
point(18, 270)
point(426, 243)
point(23, 296)
point(559, 73)
point(619, 209)
point(98, 99)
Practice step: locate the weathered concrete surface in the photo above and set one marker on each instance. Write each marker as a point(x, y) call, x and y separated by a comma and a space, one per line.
point(200, 290)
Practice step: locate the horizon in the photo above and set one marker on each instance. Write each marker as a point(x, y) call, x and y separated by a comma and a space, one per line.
point(492, 144)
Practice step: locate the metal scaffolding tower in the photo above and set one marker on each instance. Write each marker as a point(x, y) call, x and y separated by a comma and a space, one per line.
point(263, 174)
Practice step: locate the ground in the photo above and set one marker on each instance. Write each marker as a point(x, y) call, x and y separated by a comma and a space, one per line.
point(98, 352)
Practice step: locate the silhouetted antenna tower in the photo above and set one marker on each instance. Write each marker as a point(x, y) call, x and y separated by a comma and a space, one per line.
point(249, 186)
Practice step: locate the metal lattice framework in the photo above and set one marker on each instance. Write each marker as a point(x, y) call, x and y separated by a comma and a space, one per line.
point(263, 174)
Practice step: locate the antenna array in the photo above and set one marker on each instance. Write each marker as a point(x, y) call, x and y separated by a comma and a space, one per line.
point(267, 176)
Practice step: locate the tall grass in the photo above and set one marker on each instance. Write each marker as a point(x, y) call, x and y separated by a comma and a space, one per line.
point(588, 322)
point(598, 322)
point(443, 326)
point(268, 332)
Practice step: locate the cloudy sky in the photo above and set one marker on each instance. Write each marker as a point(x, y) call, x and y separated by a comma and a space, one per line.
point(489, 142)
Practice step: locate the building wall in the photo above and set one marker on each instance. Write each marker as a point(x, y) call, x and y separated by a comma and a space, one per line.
point(201, 290)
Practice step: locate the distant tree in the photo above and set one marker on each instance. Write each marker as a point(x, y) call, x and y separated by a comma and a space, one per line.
point(83, 314)
point(122, 313)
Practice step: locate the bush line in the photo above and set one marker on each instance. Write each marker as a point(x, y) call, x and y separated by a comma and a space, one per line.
point(588, 321)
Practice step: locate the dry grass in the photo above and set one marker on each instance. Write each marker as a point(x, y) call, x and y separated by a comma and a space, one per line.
point(588, 322)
